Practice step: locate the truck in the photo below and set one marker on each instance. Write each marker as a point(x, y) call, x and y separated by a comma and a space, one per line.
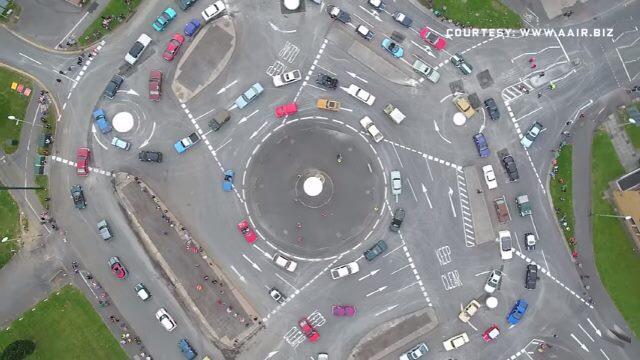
point(524, 206)
point(394, 113)
point(100, 119)
point(219, 119)
point(186, 143)
point(337, 14)
point(368, 125)
point(502, 210)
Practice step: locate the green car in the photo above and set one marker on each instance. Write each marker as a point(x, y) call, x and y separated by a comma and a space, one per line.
point(376, 250)
point(524, 206)
point(164, 19)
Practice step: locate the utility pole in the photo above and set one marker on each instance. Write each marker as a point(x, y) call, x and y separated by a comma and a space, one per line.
point(21, 187)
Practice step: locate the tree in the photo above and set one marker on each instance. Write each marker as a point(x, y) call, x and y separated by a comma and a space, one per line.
point(18, 350)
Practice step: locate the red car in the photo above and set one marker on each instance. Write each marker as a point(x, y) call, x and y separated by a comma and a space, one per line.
point(308, 330)
point(286, 109)
point(343, 310)
point(82, 161)
point(247, 231)
point(172, 47)
point(491, 333)
point(116, 267)
point(155, 85)
point(433, 39)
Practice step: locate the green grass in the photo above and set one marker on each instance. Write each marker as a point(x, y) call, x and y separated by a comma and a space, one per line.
point(64, 327)
point(9, 226)
point(633, 131)
point(95, 31)
point(564, 208)
point(11, 103)
point(43, 181)
point(489, 14)
point(618, 265)
point(15, 11)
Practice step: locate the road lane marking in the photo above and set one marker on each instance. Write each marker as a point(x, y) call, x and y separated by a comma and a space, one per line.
point(32, 59)
point(286, 282)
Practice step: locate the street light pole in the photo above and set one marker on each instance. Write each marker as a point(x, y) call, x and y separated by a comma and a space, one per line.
point(21, 187)
point(11, 117)
point(626, 217)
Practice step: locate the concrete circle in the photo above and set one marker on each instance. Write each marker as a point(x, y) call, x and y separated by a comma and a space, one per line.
point(459, 119)
point(312, 186)
point(291, 4)
point(122, 122)
point(491, 302)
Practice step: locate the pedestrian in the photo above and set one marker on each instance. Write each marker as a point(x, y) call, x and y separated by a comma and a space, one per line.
point(166, 211)
point(117, 319)
point(61, 72)
point(568, 123)
point(532, 59)
point(582, 115)
point(533, 66)
point(69, 68)
point(541, 74)
point(205, 277)
point(539, 95)
point(59, 81)
point(479, 191)
point(555, 336)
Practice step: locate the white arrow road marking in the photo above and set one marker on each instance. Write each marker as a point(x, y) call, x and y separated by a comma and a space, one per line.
point(451, 201)
point(266, 254)
point(424, 190)
point(255, 266)
point(224, 88)
point(130, 92)
point(353, 75)
point(369, 274)
point(389, 308)
point(380, 289)
point(237, 273)
point(594, 327)
point(586, 333)
point(435, 125)
point(425, 49)
point(146, 142)
point(94, 131)
point(247, 117)
point(583, 346)
point(270, 355)
point(276, 28)
point(257, 131)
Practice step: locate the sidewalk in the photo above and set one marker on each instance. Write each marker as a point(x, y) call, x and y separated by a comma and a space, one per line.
point(626, 151)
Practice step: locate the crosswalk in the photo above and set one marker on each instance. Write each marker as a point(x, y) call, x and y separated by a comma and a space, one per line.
point(467, 222)
point(515, 91)
point(295, 337)
point(73, 164)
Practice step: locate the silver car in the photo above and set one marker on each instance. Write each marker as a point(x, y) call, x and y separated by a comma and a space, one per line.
point(396, 183)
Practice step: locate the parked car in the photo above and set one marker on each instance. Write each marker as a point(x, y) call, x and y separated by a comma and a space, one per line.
point(150, 156)
point(491, 333)
point(219, 119)
point(377, 4)
point(322, 356)
point(116, 267)
point(394, 113)
point(337, 14)
point(100, 119)
point(481, 145)
point(137, 49)
point(287, 78)
point(308, 330)
point(186, 4)
point(415, 353)
point(142, 292)
point(186, 143)
point(82, 161)
point(246, 231)
point(531, 135)
point(493, 281)
point(396, 182)
point(396, 221)
point(227, 180)
point(186, 349)
point(455, 342)
point(155, 85)
point(120, 144)
point(344, 270)
point(327, 81)
point(113, 86)
point(192, 27)
point(402, 19)
point(524, 205)
point(490, 177)
point(361, 94)
point(165, 319)
point(396, 50)
point(326, 104)
point(248, 96)
point(510, 166)
point(78, 197)
point(286, 110)
point(492, 109)
point(461, 64)
point(463, 105)
point(425, 70)
point(471, 309)
point(517, 312)
point(277, 295)
point(502, 210)
point(531, 277)
point(506, 247)
point(433, 39)
point(365, 32)
point(529, 241)
point(213, 10)
point(375, 250)
point(285, 263)
point(164, 19)
point(103, 230)
point(371, 128)
point(173, 46)
point(343, 310)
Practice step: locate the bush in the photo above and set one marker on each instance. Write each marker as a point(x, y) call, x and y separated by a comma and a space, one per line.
point(18, 350)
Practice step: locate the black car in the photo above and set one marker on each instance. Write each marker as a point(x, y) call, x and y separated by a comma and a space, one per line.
point(375, 250)
point(510, 165)
point(398, 218)
point(185, 4)
point(327, 81)
point(531, 277)
point(78, 197)
point(492, 109)
point(150, 156)
point(113, 86)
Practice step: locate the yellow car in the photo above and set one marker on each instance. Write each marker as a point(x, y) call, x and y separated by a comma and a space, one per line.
point(327, 104)
point(464, 106)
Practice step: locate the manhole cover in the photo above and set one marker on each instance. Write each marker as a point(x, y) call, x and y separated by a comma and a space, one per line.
point(456, 86)
point(485, 79)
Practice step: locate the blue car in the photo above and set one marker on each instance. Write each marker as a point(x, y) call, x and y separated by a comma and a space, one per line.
point(100, 119)
point(164, 19)
point(192, 27)
point(516, 314)
point(227, 183)
point(186, 350)
point(395, 49)
point(248, 96)
point(481, 144)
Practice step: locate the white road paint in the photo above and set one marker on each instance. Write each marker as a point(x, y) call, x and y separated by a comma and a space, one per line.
point(562, 47)
point(424, 48)
point(402, 268)
point(286, 282)
point(129, 92)
point(388, 308)
point(221, 146)
point(546, 264)
point(397, 156)
point(605, 355)
point(253, 264)
point(424, 191)
point(146, 142)
point(364, 21)
point(594, 327)
point(248, 116)
point(410, 285)
point(435, 125)
point(484, 120)
point(453, 208)
point(257, 131)
point(95, 136)
point(270, 355)
point(413, 192)
point(353, 75)
point(276, 28)
point(224, 88)
point(482, 273)
point(583, 346)
point(380, 289)
point(517, 241)
point(35, 61)
point(72, 29)
point(534, 53)
point(266, 254)
point(586, 333)
point(373, 13)
point(528, 114)
point(635, 29)
point(369, 274)
point(237, 273)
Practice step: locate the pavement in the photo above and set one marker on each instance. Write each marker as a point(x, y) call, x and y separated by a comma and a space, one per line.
point(627, 153)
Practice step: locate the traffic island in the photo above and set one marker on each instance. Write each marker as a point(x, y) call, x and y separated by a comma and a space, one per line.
point(204, 291)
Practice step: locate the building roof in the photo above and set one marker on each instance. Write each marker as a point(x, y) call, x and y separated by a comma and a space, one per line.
point(629, 181)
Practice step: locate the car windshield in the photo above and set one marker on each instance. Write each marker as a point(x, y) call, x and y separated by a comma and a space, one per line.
point(136, 49)
point(505, 242)
point(431, 37)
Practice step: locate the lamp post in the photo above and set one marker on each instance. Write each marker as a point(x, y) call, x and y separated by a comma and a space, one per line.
point(11, 117)
point(626, 217)
point(631, 121)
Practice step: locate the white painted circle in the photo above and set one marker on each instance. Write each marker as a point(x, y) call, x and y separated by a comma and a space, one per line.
point(123, 122)
point(459, 119)
point(292, 4)
point(491, 302)
point(312, 186)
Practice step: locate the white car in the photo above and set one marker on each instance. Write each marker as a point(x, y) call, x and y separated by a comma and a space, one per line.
point(285, 263)
point(344, 270)
point(456, 341)
point(471, 309)
point(142, 292)
point(361, 94)
point(396, 182)
point(165, 320)
point(416, 353)
point(493, 281)
point(530, 136)
point(287, 78)
point(490, 177)
point(138, 47)
point(371, 128)
point(213, 10)
point(120, 144)
point(506, 246)
point(364, 32)
point(323, 356)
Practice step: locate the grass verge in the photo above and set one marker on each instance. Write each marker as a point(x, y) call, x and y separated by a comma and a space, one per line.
point(618, 265)
point(561, 187)
point(11, 7)
point(64, 327)
point(12, 104)
point(43, 181)
point(488, 14)
point(51, 120)
point(633, 131)
point(118, 10)
point(9, 226)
